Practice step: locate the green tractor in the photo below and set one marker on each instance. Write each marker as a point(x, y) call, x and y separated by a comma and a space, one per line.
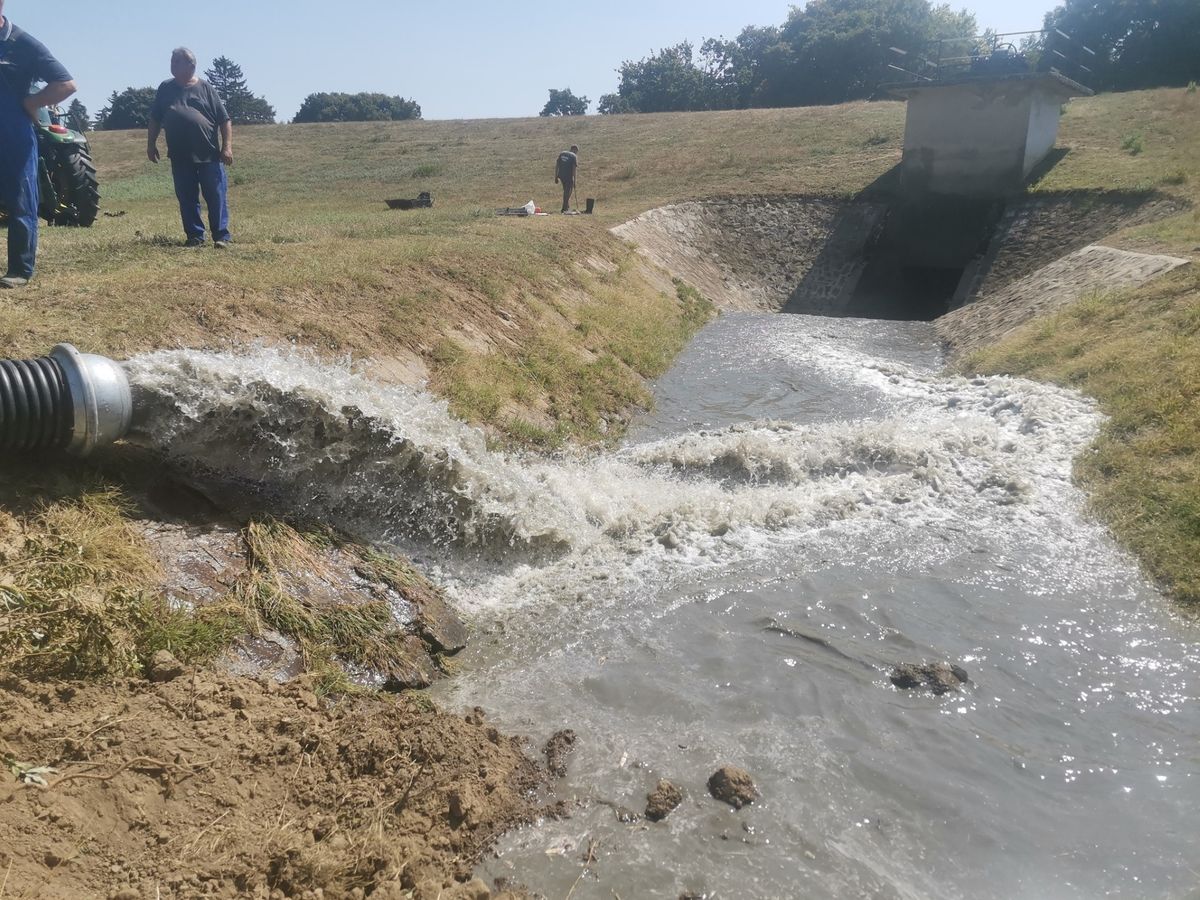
point(70, 191)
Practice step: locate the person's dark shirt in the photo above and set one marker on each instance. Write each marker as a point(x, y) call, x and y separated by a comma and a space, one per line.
point(25, 60)
point(191, 116)
point(565, 168)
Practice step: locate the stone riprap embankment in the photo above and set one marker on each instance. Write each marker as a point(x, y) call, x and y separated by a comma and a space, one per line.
point(1040, 228)
point(1051, 288)
point(808, 254)
point(760, 253)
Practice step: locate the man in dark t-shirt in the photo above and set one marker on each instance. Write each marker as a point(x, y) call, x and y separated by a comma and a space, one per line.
point(24, 61)
point(565, 168)
point(199, 144)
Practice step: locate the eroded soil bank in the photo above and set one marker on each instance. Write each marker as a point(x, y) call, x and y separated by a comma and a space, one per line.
point(210, 785)
point(259, 767)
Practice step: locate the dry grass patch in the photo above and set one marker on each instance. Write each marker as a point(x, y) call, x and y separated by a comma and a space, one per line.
point(296, 584)
point(79, 597)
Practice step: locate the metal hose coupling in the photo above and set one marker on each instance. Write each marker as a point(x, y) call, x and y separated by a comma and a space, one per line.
point(65, 401)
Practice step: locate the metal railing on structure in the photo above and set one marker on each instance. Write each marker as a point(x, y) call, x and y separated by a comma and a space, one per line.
point(996, 55)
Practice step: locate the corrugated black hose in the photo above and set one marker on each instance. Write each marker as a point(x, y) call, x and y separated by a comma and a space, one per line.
point(36, 410)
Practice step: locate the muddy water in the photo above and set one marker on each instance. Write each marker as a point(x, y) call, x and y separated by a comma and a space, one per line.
point(1067, 768)
point(810, 504)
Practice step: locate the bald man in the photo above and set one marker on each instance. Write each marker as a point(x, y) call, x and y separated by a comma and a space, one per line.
point(200, 145)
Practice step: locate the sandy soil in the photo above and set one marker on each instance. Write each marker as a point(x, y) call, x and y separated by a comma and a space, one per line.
point(213, 785)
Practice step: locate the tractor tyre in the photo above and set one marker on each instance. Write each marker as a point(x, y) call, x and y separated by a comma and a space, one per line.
point(74, 177)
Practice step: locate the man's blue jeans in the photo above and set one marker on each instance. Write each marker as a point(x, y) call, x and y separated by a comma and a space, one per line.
point(19, 185)
point(193, 179)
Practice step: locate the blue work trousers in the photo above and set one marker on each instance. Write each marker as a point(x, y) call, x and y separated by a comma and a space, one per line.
point(19, 184)
point(192, 180)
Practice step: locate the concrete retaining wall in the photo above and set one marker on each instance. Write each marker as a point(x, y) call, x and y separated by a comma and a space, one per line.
point(808, 254)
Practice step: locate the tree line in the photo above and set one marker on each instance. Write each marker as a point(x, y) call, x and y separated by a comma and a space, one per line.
point(833, 51)
point(130, 108)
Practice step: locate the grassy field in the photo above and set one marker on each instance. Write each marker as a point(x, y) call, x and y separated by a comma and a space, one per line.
point(545, 329)
point(542, 328)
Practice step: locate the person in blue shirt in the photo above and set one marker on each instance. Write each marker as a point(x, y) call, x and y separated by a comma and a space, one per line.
point(199, 144)
point(24, 61)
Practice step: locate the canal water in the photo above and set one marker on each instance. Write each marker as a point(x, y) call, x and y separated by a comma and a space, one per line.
point(811, 503)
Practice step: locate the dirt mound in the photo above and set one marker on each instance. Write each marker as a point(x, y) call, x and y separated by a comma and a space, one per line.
point(210, 785)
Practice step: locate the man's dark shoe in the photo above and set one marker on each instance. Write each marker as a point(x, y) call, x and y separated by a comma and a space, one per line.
point(220, 245)
point(194, 242)
point(13, 281)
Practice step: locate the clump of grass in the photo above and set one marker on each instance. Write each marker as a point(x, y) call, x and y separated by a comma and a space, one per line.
point(1175, 178)
point(78, 596)
point(285, 563)
point(1133, 143)
point(426, 170)
point(697, 309)
point(876, 138)
point(1191, 87)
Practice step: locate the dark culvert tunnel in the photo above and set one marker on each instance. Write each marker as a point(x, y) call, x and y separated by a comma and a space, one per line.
point(892, 290)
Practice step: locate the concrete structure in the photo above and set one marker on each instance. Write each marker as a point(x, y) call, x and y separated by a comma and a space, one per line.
point(980, 136)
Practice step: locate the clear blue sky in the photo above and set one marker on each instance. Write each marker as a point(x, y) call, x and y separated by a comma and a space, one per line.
point(470, 59)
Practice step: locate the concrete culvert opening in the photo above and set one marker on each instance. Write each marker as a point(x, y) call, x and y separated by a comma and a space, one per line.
point(908, 293)
point(874, 256)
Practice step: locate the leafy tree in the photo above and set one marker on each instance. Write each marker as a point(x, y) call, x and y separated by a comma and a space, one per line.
point(252, 111)
point(838, 49)
point(827, 51)
point(947, 22)
point(1138, 43)
point(77, 116)
point(614, 104)
point(565, 103)
point(243, 106)
point(339, 107)
point(666, 81)
point(749, 60)
point(126, 109)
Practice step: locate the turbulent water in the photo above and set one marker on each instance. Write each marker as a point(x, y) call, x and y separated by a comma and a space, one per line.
point(810, 504)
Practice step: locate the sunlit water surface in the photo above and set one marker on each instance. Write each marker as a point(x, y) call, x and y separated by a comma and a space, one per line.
point(810, 504)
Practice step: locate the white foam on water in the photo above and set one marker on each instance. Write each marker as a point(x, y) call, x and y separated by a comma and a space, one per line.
point(991, 454)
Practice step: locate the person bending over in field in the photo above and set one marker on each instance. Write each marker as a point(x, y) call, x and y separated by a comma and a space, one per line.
point(564, 171)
